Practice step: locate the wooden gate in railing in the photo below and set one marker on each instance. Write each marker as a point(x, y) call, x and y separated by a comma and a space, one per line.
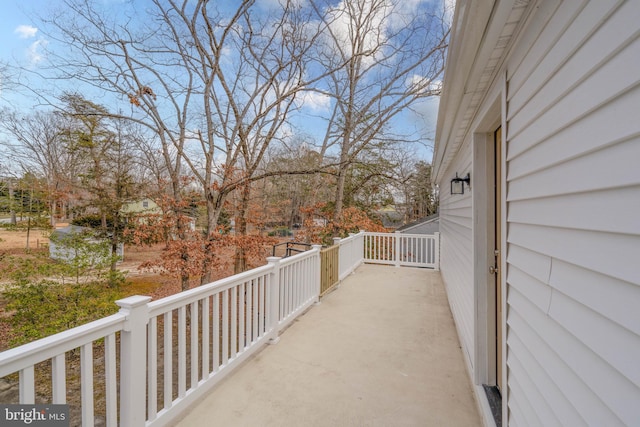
point(329, 273)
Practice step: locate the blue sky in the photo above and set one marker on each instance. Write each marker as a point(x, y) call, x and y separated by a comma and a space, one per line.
point(20, 38)
point(23, 43)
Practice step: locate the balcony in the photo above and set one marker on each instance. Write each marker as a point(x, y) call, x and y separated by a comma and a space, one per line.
point(380, 350)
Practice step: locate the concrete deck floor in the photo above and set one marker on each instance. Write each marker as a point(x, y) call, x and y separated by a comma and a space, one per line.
point(381, 350)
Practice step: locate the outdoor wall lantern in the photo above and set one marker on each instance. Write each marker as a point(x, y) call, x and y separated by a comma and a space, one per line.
point(457, 184)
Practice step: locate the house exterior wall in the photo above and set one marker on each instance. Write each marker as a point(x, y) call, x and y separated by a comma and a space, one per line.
point(456, 253)
point(571, 114)
point(145, 206)
point(573, 182)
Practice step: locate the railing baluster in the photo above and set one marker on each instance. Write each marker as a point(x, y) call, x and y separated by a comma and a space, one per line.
point(256, 314)
point(111, 384)
point(27, 386)
point(292, 288)
point(431, 257)
point(289, 290)
point(205, 337)
point(295, 300)
point(216, 332)
point(225, 326)
point(284, 294)
point(194, 344)
point(242, 315)
point(86, 384)
point(305, 271)
point(262, 309)
point(59, 379)
point(268, 320)
point(182, 351)
point(167, 353)
point(249, 312)
point(152, 369)
point(234, 321)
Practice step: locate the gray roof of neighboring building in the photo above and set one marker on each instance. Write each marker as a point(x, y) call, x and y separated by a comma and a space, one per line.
point(431, 218)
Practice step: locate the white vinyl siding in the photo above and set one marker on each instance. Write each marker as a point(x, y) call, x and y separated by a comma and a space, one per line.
point(573, 216)
point(456, 251)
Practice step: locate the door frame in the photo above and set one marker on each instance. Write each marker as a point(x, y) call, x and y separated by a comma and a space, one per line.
point(483, 207)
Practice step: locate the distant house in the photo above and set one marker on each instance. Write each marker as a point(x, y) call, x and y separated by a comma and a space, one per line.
point(62, 248)
point(148, 208)
point(144, 206)
point(540, 246)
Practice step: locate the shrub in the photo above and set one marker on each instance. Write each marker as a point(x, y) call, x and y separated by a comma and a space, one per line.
point(47, 307)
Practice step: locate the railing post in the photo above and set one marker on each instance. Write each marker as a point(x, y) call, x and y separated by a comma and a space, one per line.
point(396, 254)
point(274, 291)
point(437, 251)
point(133, 361)
point(316, 274)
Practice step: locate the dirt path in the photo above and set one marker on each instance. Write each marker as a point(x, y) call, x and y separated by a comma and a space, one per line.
point(11, 240)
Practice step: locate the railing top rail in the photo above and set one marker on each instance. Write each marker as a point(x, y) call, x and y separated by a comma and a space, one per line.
point(419, 236)
point(377, 233)
point(369, 233)
point(353, 237)
point(330, 249)
point(178, 300)
point(18, 358)
point(297, 257)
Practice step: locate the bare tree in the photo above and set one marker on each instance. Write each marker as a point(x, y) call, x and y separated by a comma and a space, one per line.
point(215, 82)
point(393, 53)
point(37, 147)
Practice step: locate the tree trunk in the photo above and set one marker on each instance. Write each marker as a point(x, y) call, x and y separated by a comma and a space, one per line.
point(28, 230)
point(114, 243)
point(12, 207)
point(214, 207)
point(240, 262)
point(52, 212)
point(339, 199)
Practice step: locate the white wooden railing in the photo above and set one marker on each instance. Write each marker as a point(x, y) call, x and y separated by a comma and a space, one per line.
point(172, 351)
point(350, 255)
point(399, 249)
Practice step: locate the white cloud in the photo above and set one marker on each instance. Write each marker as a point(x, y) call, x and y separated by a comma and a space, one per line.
point(423, 84)
point(277, 4)
point(34, 52)
point(345, 17)
point(25, 31)
point(449, 7)
point(315, 101)
point(425, 115)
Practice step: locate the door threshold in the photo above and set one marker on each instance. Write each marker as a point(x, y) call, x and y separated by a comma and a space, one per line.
point(495, 402)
